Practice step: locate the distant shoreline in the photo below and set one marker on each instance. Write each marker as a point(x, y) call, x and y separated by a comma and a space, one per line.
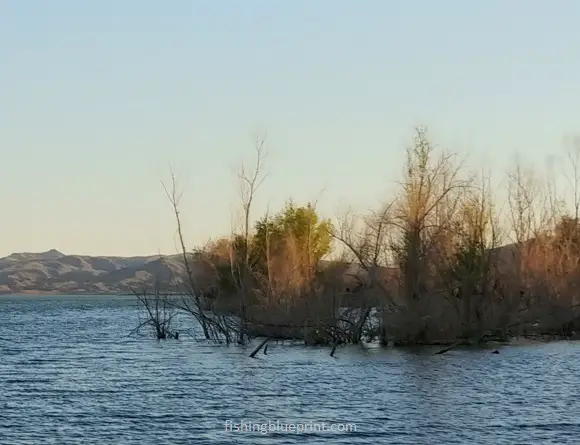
point(74, 294)
point(56, 293)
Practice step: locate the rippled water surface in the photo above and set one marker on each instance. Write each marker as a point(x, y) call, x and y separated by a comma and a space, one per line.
point(70, 375)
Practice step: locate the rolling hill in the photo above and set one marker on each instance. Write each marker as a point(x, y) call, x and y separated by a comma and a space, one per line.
point(55, 272)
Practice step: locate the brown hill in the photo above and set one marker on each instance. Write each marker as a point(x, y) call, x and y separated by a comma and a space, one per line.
point(55, 272)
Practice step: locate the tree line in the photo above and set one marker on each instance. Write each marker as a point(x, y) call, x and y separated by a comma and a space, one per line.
point(438, 263)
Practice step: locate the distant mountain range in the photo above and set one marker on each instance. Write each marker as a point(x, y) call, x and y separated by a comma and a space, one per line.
point(55, 272)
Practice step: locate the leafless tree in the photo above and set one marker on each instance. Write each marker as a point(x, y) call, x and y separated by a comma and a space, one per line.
point(160, 311)
point(214, 327)
point(197, 309)
point(469, 269)
point(249, 182)
point(368, 241)
point(573, 174)
point(523, 194)
point(427, 204)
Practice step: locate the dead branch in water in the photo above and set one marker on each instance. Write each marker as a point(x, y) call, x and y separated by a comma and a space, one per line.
point(333, 349)
point(255, 351)
point(447, 349)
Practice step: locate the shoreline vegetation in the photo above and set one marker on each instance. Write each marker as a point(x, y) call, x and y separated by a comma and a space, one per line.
point(442, 261)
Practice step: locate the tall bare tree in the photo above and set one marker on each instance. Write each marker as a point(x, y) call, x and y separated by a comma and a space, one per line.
point(174, 195)
point(249, 183)
point(430, 192)
point(214, 326)
point(573, 174)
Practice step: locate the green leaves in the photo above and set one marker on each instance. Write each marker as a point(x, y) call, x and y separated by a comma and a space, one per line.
point(295, 227)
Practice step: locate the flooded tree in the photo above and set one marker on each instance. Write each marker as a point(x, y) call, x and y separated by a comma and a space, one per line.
point(435, 264)
point(159, 312)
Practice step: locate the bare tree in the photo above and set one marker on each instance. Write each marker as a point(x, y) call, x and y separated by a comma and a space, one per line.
point(160, 311)
point(214, 327)
point(469, 267)
point(426, 205)
point(174, 196)
point(368, 242)
point(573, 158)
point(523, 194)
point(249, 181)
point(553, 206)
point(524, 199)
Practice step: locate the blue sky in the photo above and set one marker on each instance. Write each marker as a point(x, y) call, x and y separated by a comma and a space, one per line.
point(98, 98)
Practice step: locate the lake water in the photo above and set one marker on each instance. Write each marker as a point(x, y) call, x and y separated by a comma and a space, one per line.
point(70, 375)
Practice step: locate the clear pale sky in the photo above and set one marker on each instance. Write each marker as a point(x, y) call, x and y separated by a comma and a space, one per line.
point(98, 98)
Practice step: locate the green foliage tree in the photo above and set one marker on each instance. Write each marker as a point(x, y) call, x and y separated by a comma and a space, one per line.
point(299, 225)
